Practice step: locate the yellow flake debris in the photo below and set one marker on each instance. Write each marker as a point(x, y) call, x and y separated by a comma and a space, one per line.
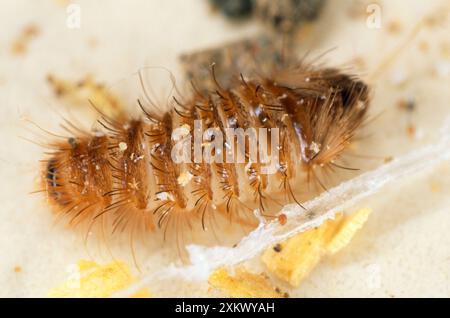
point(244, 284)
point(89, 280)
point(347, 229)
point(86, 90)
point(293, 260)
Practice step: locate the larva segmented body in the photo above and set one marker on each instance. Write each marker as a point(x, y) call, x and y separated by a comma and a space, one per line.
point(127, 174)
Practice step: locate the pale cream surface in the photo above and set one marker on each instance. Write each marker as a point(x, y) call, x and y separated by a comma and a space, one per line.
point(405, 248)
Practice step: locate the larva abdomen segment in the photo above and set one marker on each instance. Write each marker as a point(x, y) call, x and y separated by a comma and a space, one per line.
point(127, 174)
point(77, 176)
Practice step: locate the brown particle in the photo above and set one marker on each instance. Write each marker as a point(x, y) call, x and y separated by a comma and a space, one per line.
point(277, 248)
point(394, 27)
point(424, 47)
point(406, 104)
point(279, 291)
point(388, 159)
point(20, 45)
point(18, 48)
point(359, 62)
point(59, 91)
point(92, 42)
point(436, 19)
point(81, 83)
point(310, 215)
point(282, 218)
point(435, 187)
point(30, 30)
point(411, 130)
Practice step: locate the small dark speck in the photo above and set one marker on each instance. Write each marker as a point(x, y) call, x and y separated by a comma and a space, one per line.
point(235, 9)
point(72, 142)
point(277, 248)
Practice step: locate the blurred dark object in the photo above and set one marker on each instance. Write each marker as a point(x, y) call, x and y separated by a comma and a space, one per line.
point(282, 15)
point(286, 15)
point(235, 9)
point(250, 57)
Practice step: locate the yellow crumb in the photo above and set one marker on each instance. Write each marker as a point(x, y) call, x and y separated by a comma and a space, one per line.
point(346, 230)
point(435, 187)
point(244, 284)
point(293, 260)
point(88, 280)
point(86, 90)
point(424, 47)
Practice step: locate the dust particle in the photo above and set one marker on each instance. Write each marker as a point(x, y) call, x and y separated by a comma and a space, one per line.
point(394, 27)
point(20, 45)
point(411, 131)
point(277, 248)
point(406, 104)
point(424, 47)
